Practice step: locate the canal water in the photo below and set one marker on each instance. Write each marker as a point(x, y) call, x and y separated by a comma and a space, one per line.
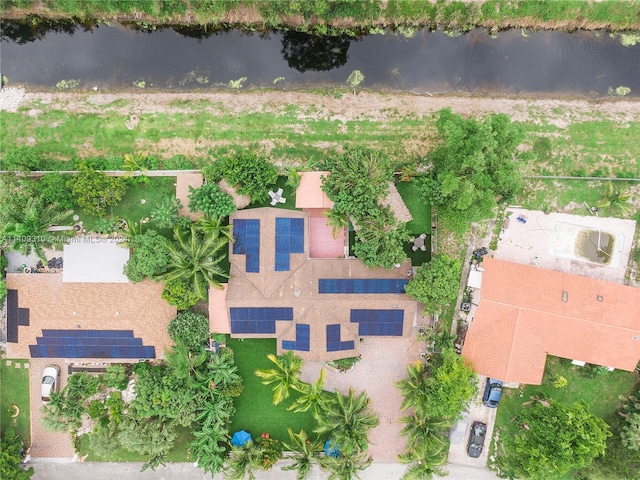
point(514, 62)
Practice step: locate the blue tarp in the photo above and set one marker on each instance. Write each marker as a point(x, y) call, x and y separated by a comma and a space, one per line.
point(241, 438)
point(330, 449)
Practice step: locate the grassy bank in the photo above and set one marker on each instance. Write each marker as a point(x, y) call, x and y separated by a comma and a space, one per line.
point(14, 390)
point(341, 16)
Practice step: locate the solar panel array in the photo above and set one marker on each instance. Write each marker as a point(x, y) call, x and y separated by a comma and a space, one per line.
point(258, 320)
point(378, 322)
point(334, 343)
point(246, 234)
point(289, 239)
point(302, 342)
point(90, 344)
point(361, 285)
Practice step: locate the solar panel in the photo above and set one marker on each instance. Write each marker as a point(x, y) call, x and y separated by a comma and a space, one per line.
point(88, 341)
point(361, 285)
point(246, 233)
point(378, 322)
point(91, 351)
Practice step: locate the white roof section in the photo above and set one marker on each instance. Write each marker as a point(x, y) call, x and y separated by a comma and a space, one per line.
point(475, 279)
point(95, 260)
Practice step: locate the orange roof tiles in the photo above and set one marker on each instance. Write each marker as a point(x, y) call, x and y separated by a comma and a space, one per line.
point(218, 315)
point(309, 193)
point(522, 318)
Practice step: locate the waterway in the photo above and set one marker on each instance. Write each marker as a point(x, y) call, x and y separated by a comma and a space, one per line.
point(513, 62)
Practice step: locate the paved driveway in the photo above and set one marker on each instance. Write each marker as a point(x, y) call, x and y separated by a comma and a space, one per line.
point(477, 412)
point(384, 362)
point(46, 444)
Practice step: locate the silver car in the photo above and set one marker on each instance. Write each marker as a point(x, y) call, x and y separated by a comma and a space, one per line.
point(50, 382)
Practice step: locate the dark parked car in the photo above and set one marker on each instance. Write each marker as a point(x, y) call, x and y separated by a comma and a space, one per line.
point(476, 439)
point(480, 252)
point(492, 393)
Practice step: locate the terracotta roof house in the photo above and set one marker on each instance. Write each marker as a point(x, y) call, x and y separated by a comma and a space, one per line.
point(318, 307)
point(526, 313)
point(87, 311)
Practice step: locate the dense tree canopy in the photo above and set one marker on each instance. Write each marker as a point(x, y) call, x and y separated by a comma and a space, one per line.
point(94, 191)
point(11, 447)
point(552, 440)
point(473, 166)
point(210, 200)
point(358, 182)
point(149, 256)
point(190, 328)
point(251, 173)
point(436, 283)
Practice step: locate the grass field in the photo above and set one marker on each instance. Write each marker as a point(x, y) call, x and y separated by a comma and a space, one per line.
point(179, 453)
point(420, 210)
point(255, 410)
point(14, 390)
point(131, 206)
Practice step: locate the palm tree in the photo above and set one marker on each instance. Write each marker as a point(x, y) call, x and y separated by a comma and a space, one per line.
point(419, 430)
point(336, 220)
point(28, 228)
point(310, 394)
point(425, 461)
point(214, 226)
point(284, 376)
point(305, 451)
point(615, 198)
point(345, 467)
point(220, 374)
point(414, 388)
point(243, 461)
point(195, 259)
point(209, 447)
point(184, 363)
point(347, 419)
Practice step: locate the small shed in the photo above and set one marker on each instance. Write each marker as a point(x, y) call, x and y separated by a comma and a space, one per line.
point(95, 260)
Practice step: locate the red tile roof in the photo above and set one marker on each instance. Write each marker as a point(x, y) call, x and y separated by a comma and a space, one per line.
point(526, 313)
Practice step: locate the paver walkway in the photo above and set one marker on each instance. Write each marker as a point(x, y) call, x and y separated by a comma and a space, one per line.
point(384, 362)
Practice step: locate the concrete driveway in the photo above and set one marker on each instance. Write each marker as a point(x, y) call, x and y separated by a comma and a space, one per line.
point(477, 412)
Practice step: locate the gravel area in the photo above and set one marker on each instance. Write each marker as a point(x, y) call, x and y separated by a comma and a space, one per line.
point(11, 98)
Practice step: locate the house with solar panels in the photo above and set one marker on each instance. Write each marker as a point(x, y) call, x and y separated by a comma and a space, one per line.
point(87, 313)
point(288, 283)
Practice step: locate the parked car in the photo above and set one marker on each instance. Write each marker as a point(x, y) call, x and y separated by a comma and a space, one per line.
point(480, 252)
point(476, 439)
point(492, 393)
point(50, 382)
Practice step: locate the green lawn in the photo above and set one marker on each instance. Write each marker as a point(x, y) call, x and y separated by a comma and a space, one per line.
point(255, 410)
point(14, 390)
point(420, 210)
point(287, 192)
point(602, 393)
point(131, 206)
point(179, 453)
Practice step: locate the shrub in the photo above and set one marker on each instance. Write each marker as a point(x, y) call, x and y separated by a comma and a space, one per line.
point(251, 173)
point(344, 364)
point(271, 451)
point(117, 376)
point(210, 200)
point(165, 215)
point(180, 294)
point(96, 409)
point(148, 258)
point(94, 191)
point(21, 158)
point(190, 328)
point(53, 187)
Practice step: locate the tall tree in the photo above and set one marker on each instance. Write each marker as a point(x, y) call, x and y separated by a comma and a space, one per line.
point(283, 377)
point(11, 447)
point(425, 460)
point(552, 440)
point(347, 420)
point(473, 164)
point(94, 191)
point(311, 394)
point(436, 283)
point(345, 467)
point(26, 229)
point(196, 259)
point(305, 452)
point(243, 461)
